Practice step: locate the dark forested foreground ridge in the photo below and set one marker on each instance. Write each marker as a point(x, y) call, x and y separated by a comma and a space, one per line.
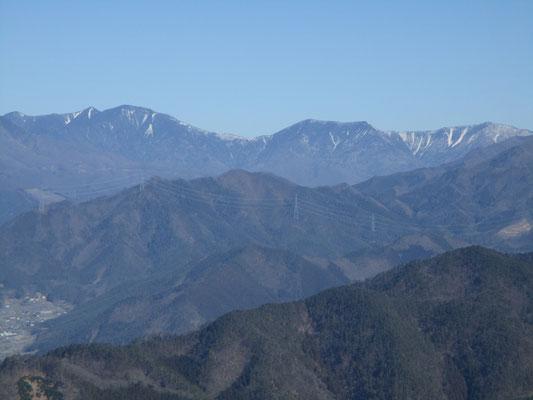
point(458, 326)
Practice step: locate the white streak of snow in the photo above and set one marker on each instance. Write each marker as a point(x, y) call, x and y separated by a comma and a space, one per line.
point(335, 144)
point(450, 136)
point(403, 135)
point(419, 144)
point(463, 133)
point(428, 142)
point(149, 131)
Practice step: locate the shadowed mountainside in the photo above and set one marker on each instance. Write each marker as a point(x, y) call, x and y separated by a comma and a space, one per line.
point(484, 198)
point(95, 252)
point(367, 263)
point(79, 251)
point(239, 279)
point(456, 326)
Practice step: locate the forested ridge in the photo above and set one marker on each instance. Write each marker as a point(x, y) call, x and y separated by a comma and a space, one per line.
point(457, 326)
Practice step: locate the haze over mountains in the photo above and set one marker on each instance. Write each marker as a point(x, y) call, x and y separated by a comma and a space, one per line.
point(131, 260)
point(178, 302)
point(238, 279)
point(147, 254)
point(167, 224)
point(164, 226)
point(86, 154)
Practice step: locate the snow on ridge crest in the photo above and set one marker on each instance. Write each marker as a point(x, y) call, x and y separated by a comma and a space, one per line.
point(228, 137)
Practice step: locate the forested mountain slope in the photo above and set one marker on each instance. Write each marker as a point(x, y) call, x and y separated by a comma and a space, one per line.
point(458, 326)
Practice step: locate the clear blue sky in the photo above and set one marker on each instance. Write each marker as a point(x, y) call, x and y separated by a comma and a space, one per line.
point(254, 67)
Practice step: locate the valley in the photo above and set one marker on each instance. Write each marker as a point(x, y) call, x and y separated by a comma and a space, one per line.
point(20, 317)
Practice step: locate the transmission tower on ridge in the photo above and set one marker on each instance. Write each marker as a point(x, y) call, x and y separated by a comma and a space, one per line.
point(373, 222)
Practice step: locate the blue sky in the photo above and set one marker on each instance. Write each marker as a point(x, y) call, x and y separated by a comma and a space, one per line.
point(252, 67)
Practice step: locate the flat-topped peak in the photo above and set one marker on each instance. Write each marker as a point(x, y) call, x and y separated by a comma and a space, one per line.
point(318, 122)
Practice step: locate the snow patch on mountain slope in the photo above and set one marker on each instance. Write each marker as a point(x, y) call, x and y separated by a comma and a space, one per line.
point(463, 133)
point(418, 148)
point(335, 143)
point(450, 136)
point(428, 142)
point(149, 131)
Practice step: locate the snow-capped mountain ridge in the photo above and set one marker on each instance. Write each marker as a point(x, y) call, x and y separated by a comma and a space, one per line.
point(466, 136)
point(309, 152)
point(417, 141)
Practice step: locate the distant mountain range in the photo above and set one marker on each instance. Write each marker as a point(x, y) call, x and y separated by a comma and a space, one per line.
point(81, 250)
point(77, 250)
point(153, 250)
point(131, 260)
point(89, 153)
point(458, 326)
